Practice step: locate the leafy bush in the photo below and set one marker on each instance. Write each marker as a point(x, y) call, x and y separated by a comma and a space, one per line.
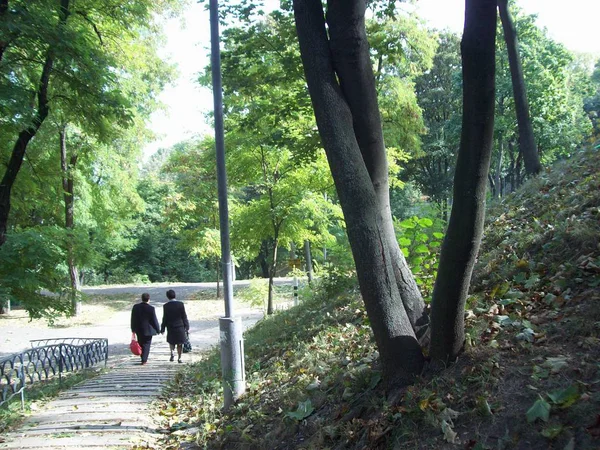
point(256, 293)
point(420, 240)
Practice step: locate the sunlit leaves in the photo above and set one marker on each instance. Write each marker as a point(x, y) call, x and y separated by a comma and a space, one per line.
point(420, 241)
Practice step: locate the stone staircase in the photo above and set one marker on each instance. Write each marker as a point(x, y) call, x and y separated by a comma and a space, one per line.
point(110, 411)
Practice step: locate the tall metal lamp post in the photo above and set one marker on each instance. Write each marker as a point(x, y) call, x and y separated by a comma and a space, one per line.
point(232, 344)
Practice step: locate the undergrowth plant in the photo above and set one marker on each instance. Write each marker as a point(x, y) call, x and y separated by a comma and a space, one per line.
point(420, 239)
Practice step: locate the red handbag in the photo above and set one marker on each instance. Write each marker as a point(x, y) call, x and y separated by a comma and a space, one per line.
point(135, 346)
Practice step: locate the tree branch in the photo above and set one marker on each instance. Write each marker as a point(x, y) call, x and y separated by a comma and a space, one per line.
point(88, 20)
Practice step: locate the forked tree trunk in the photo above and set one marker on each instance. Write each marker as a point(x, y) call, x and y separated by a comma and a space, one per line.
point(465, 228)
point(346, 21)
point(68, 196)
point(526, 139)
point(400, 352)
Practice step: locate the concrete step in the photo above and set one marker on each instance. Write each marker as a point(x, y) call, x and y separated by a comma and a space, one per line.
point(74, 418)
point(81, 440)
point(124, 429)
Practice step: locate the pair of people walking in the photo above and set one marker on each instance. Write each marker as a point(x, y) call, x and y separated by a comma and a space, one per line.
point(145, 324)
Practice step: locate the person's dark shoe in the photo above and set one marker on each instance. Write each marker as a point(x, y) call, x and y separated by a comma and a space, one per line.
point(144, 363)
point(179, 361)
point(172, 358)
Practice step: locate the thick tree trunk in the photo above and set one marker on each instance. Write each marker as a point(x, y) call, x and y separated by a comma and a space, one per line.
point(68, 196)
point(352, 63)
point(400, 352)
point(526, 139)
point(465, 228)
point(25, 136)
point(308, 258)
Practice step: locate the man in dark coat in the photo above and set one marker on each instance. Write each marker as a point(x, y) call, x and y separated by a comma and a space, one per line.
point(144, 324)
point(176, 322)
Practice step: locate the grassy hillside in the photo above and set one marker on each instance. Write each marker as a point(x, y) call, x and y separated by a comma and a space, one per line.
point(529, 377)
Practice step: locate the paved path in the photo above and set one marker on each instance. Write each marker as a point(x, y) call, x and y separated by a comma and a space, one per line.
point(108, 412)
point(111, 410)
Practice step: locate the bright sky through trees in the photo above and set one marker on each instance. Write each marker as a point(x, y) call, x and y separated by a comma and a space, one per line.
point(186, 103)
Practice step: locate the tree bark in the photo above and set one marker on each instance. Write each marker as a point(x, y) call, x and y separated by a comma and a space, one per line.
point(68, 197)
point(218, 277)
point(400, 353)
point(518, 177)
point(526, 140)
point(465, 228)
point(352, 63)
point(498, 175)
point(25, 136)
point(270, 307)
point(511, 173)
point(308, 258)
point(262, 259)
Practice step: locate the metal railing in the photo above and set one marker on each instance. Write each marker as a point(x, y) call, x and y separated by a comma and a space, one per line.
point(46, 359)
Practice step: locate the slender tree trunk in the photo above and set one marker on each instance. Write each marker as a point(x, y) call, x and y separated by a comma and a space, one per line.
point(518, 177)
point(218, 277)
point(498, 175)
point(346, 21)
point(262, 260)
point(68, 196)
point(526, 139)
point(400, 353)
point(465, 228)
point(270, 308)
point(492, 185)
point(512, 166)
point(25, 136)
point(308, 258)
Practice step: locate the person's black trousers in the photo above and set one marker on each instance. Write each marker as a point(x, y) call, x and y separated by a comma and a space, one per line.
point(145, 342)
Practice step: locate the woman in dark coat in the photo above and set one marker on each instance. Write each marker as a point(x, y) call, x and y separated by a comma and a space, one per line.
point(176, 322)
